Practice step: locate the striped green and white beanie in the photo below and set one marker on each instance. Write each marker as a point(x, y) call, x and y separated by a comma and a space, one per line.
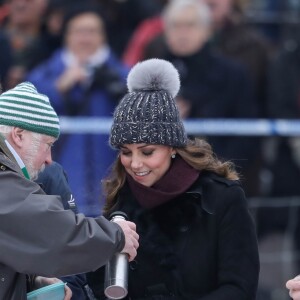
point(24, 107)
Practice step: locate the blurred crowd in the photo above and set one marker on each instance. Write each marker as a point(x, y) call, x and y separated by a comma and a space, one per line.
point(231, 66)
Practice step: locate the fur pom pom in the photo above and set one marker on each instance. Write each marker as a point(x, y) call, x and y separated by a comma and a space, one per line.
point(154, 74)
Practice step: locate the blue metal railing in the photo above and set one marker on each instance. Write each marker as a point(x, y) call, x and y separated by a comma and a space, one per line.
point(243, 127)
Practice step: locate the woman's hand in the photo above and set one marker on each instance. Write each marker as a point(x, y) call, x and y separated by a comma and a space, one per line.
point(44, 281)
point(293, 285)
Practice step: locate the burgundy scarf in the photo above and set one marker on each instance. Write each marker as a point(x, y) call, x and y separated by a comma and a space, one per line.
point(176, 181)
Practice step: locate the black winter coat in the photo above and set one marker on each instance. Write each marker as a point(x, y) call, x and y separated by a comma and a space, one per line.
point(201, 245)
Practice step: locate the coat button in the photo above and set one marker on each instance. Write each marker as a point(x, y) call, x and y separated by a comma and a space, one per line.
point(2, 279)
point(133, 265)
point(3, 168)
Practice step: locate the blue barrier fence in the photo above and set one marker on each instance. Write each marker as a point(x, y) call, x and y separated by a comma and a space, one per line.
point(242, 127)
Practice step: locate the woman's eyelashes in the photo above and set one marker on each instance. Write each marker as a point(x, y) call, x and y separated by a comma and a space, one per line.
point(144, 152)
point(125, 153)
point(148, 152)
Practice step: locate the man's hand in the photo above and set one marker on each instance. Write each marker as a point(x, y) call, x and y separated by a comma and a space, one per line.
point(131, 238)
point(44, 281)
point(293, 286)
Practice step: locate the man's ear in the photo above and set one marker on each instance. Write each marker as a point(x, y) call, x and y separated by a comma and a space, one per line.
point(17, 136)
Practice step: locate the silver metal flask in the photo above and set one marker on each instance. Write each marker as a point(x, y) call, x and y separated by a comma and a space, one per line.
point(116, 270)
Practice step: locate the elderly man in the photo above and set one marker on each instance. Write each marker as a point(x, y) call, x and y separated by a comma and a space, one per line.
point(37, 236)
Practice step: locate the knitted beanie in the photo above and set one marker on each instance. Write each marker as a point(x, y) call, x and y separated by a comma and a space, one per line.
point(148, 113)
point(24, 107)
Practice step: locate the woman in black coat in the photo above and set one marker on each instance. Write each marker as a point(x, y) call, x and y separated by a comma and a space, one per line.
point(197, 238)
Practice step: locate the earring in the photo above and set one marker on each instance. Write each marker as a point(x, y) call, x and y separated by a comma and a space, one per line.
point(173, 156)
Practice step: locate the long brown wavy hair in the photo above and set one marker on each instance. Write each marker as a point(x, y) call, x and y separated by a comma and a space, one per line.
point(198, 154)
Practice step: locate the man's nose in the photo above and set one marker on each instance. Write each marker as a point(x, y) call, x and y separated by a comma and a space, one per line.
point(48, 159)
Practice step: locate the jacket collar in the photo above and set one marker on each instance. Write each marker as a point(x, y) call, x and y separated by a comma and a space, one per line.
point(8, 159)
point(205, 188)
point(207, 204)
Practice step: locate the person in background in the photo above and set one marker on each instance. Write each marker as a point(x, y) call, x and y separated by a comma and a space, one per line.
point(83, 79)
point(213, 86)
point(53, 180)
point(37, 235)
point(235, 38)
point(145, 31)
point(122, 18)
point(230, 36)
point(282, 153)
point(283, 103)
point(51, 37)
point(197, 237)
point(23, 27)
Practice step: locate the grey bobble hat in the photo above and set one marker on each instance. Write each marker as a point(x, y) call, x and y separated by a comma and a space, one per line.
point(148, 113)
point(24, 107)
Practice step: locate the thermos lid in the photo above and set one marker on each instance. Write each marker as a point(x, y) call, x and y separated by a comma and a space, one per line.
point(115, 292)
point(118, 213)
